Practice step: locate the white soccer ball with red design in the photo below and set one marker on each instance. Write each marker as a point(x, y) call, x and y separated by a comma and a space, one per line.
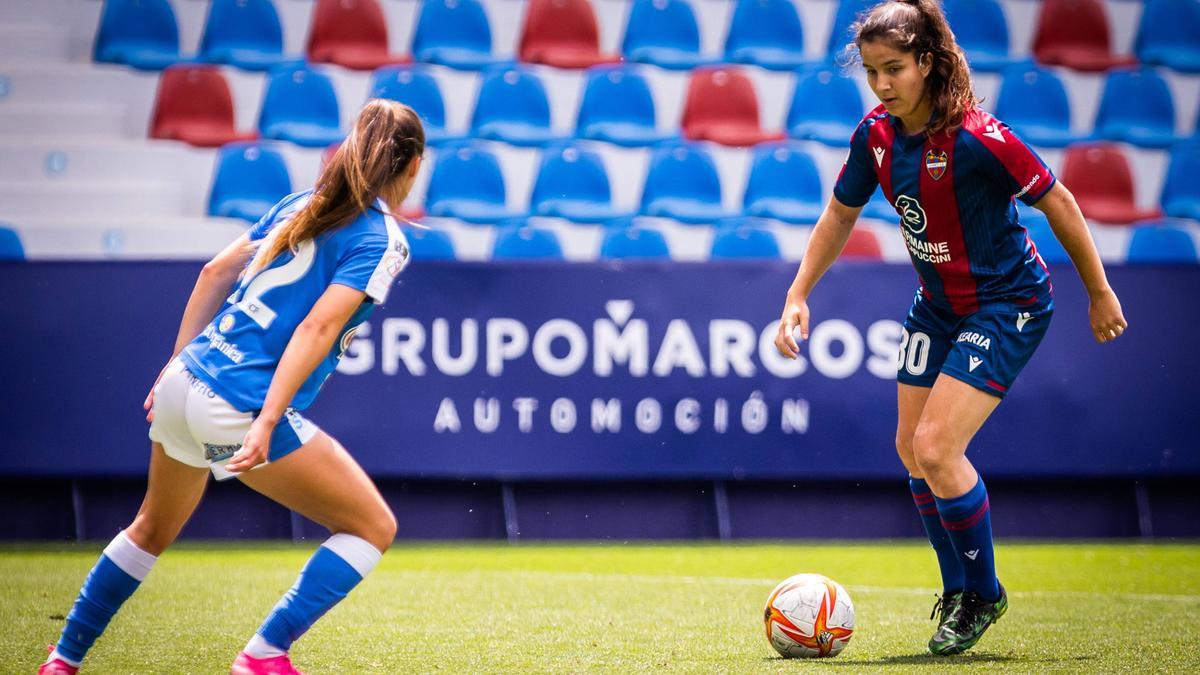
point(809, 615)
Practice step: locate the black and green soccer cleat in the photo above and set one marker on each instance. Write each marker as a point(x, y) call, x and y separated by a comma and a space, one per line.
point(944, 607)
point(965, 622)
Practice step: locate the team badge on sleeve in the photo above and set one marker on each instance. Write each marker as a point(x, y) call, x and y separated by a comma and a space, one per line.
point(935, 162)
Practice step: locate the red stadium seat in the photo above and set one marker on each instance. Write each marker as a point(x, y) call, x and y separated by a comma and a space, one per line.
point(862, 245)
point(350, 33)
point(723, 108)
point(1074, 33)
point(1099, 176)
point(193, 105)
point(562, 33)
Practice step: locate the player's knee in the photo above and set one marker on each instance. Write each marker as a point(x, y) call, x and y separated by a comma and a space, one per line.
point(930, 448)
point(149, 535)
point(381, 530)
point(904, 447)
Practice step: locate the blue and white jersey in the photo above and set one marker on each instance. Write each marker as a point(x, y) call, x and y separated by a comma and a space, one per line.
point(237, 353)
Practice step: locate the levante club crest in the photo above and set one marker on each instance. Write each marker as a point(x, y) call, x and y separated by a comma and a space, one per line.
point(935, 162)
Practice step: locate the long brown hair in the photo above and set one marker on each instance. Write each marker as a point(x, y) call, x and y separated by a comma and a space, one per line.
point(383, 144)
point(919, 27)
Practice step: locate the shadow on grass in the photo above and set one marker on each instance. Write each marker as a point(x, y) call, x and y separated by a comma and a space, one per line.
point(926, 659)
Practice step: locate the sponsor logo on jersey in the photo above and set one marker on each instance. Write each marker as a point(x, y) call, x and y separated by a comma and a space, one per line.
point(226, 323)
point(879, 153)
point(911, 213)
point(1028, 186)
point(935, 162)
point(974, 362)
point(216, 453)
point(1022, 319)
point(977, 339)
point(994, 132)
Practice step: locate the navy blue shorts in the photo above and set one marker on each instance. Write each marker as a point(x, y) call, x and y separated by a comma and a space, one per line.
point(987, 349)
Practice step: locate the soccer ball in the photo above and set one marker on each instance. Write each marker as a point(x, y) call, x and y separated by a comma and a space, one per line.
point(808, 615)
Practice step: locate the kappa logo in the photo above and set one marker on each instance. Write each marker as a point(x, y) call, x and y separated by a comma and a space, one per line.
point(972, 554)
point(993, 131)
point(974, 363)
point(935, 162)
point(879, 153)
point(1022, 319)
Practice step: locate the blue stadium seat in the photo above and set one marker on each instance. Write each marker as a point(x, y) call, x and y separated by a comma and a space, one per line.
point(1033, 101)
point(300, 106)
point(454, 33)
point(525, 242)
point(1181, 191)
point(624, 243)
point(10, 244)
point(1048, 245)
point(1161, 243)
point(573, 184)
point(766, 33)
point(784, 185)
point(744, 240)
point(512, 107)
point(663, 33)
point(682, 183)
point(826, 107)
point(243, 33)
point(249, 179)
point(415, 87)
point(618, 108)
point(467, 184)
point(982, 32)
point(138, 33)
point(839, 31)
point(427, 244)
point(1169, 35)
point(1136, 108)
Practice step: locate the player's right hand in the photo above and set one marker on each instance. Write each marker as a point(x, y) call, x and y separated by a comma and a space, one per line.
point(795, 314)
point(148, 405)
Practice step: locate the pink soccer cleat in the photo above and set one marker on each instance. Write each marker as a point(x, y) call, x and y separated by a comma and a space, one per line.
point(245, 664)
point(56, 666)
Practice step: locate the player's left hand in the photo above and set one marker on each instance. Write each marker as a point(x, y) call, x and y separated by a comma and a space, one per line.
point(1105, 316)
point(254, 447)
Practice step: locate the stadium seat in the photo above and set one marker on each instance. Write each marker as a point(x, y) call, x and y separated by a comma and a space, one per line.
point(350, 33)
point(625, 243)
point(1162, 243)
point(467, 184)
point(1169, 35)
point(1181, 191)
point(512, 107)
point(862, 245)
point(826, 107)
point(744, 240)
point(249, 179)
point(1048, 245)
point(562, 33)
point(525, 242)
point(243, 33)
point(663, 33)
point(427, 244)
point(682, 183)
point(300, 106)
point(722, 107)
point(839, 30)
point(617, 107)
point(765, 33)
point(784, 184)
point(193, 104)
point(1075, 34)
point(982, 32)
point(138, 33)
point(1137, 108)
point(1033, 101)
point(1098, 175)
point(10, 244)
point(454, 33)
point(572, 183)
point(415, 87)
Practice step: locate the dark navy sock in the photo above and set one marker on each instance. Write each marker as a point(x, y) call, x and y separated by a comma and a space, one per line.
point(952, 569)
point(968, 521)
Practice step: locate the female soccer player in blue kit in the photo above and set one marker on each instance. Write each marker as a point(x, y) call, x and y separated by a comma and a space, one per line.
point(951, 171)
point(303, 280)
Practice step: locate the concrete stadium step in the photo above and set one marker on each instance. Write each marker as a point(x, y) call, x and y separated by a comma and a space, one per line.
point(73, 120)
point(95, 239)
point(23, 200)
point(63, 159)
point(34, 42)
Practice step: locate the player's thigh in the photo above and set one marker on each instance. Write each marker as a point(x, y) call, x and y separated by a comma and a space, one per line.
point(173, 490)
point(953, 414)
point(910, 403)
point(323, 483)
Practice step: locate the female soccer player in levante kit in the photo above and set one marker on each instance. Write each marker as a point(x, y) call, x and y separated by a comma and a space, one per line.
point(230, 396)
point(952, 171)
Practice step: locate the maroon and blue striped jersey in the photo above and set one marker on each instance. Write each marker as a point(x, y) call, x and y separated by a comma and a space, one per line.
point(954, 193)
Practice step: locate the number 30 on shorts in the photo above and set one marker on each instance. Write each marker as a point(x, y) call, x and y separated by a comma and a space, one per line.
point(914, 352)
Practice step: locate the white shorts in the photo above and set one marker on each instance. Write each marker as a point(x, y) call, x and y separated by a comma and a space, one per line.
point(199, 428)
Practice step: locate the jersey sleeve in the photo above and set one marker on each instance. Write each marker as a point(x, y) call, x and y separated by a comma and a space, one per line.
point(1014, 164)
point(857, 180)
point(371, 264)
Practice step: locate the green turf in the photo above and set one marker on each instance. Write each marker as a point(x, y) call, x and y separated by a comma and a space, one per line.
point(1092, 607)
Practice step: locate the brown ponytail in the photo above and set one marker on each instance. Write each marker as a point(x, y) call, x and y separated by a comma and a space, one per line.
point(387, 136)
point(919, 27)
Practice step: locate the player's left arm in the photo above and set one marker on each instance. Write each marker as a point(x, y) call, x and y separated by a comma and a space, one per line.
point(1069, 226)
point(309, 345)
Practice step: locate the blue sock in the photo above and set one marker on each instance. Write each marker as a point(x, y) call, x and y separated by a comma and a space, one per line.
point(968, 521)
point(115, 577)
point(952, 569)
point(336, 568)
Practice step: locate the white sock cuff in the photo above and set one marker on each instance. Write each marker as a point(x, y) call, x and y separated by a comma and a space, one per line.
point(125, 554)
point(356, 551)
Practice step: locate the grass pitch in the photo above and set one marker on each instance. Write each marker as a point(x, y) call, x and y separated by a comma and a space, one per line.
point(1093, 607)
